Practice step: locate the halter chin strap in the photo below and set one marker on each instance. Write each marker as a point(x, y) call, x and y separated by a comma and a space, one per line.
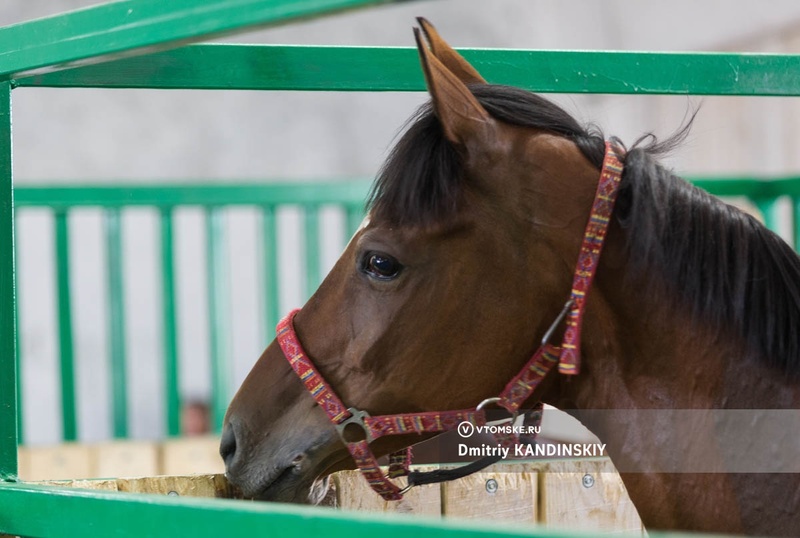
point(516, 392)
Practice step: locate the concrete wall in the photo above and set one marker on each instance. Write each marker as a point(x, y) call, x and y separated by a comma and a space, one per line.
point(100, 136)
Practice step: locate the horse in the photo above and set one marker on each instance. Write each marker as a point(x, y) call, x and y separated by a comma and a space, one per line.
point(474, 225)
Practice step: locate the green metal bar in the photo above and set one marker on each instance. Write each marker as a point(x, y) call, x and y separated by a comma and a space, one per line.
point(9, 433)
point(354, 218)
point(795, 201)
point(217, 316)
point(116, 312)
point(288, 67)
point(61, 197)
point(272, 307)
point(169, 301)
point(18, 354)
point(311, 229)
point(72, 513)
point(131, 26)
point(350, 193)
point(767, 207)
point(66, 351)
point(749, 187)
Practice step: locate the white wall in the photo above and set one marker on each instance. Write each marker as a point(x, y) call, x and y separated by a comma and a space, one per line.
point(99, 136)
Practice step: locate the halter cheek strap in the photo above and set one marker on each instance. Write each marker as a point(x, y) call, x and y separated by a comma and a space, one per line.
point(589, 257)
point(516, 392)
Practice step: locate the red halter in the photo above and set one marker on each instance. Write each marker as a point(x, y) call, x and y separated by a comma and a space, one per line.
point(516, 392)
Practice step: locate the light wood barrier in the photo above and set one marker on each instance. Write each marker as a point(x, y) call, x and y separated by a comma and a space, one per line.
point(571, 494)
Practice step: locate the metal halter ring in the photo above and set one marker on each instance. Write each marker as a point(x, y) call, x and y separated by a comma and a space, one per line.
point(405, 489)
point(357, 417)
point(494, 400)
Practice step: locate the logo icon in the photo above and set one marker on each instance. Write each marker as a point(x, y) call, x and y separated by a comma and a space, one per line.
point(466, 429)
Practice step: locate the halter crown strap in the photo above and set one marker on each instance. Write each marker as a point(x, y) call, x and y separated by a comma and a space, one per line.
point(589, 256)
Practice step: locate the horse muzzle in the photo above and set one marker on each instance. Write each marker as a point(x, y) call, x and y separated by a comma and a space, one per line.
point(276, 442)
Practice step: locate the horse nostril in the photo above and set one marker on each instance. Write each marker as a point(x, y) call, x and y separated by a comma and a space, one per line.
point(227, 445)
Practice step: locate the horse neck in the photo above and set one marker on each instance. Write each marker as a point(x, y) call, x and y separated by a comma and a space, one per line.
point(643, 351)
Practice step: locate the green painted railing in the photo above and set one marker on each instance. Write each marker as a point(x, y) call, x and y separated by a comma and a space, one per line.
point(267, 198)
point(112, 45)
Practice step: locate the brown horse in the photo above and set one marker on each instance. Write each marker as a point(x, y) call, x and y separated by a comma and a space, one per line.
point(466, 257)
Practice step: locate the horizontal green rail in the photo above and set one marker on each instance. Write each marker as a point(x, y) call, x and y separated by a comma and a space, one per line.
point(117, 195)
point(35, 510)
point(348, 192)
point(286, 67)
point(751, 187)
point(130, 26)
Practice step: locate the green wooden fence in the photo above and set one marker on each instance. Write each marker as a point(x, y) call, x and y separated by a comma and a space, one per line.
point(268, 198)
point(126, 44)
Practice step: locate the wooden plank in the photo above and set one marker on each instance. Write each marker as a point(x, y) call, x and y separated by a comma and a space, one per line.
point(353, 493)
point(23, 462)
point(125, 458)
point(498, 493)
point(603, 507)
point(209, 486)
point(69, 460)
point(191, 455)
point(184, 486)
point(103, 485)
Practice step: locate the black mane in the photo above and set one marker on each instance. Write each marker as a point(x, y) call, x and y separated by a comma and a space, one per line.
point(718, 261)
point(726, 266)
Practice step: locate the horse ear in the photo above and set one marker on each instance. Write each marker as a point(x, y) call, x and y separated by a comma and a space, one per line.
point(448, 56)
point(461, 115)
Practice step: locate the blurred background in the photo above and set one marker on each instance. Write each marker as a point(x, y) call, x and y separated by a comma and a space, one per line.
point(92, 136)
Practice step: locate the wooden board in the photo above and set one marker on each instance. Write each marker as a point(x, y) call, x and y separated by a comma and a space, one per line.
point(510, 497)
point(184, 486)
point(191, 455)
point(125, 458)
point(69, 460)
point(604, 507)
point(353, 493)
point(546, 492)
point(189, 486)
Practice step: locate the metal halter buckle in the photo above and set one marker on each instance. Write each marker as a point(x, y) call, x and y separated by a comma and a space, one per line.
point(357, 417)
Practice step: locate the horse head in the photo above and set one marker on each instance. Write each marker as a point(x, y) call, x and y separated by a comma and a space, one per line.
point(464, 259)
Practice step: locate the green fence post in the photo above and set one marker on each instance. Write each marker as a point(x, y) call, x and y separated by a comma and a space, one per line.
point(217, 316)
point(18, 351)
point(66, 351)
point(767, 207)
point(355, 216)
point(168, 301)
point(269, 237)
point(311, 229)
point(796, 222)
point(8, 371)
point(116, 313)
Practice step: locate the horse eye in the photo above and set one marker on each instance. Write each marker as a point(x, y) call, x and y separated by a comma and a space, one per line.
point(381, 266)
